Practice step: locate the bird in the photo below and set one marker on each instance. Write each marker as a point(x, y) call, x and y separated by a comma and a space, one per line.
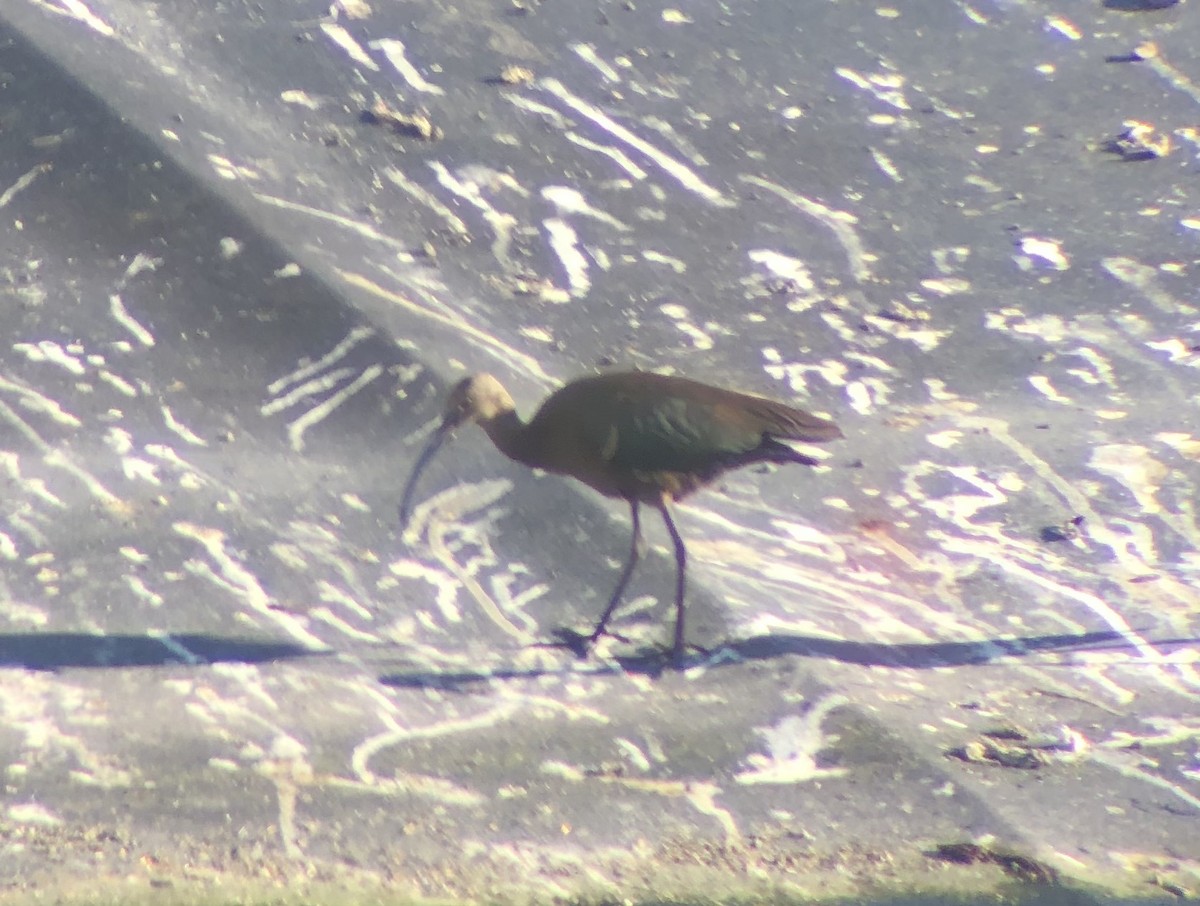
point(638, 436)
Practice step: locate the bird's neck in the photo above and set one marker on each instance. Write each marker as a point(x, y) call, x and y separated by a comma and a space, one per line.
point(511, 438)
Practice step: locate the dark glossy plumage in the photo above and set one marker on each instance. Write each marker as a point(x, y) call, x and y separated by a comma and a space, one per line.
point(646, 438)
point(636, 434)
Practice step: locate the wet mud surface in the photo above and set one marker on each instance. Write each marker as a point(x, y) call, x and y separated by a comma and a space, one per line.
point(247, 252)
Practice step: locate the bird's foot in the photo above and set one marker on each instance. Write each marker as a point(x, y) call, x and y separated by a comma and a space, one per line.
point(677, 654)
point(579, 644)
point(600, 632)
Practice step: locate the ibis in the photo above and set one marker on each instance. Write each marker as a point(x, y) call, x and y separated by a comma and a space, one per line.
point(642, 437)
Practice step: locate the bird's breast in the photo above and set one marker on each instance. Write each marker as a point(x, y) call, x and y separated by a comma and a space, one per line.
point(651, 486)
point(613, 480)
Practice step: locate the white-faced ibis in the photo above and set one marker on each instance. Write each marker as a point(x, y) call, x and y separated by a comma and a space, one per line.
point(646, 438)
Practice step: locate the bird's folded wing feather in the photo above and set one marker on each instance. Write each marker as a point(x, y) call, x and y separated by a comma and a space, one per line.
point(674, 434)
point(651, 423)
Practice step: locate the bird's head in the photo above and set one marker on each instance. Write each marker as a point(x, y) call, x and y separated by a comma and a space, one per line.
point(479, 398)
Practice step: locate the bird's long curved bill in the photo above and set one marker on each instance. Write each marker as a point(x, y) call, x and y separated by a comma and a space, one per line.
point(424, 459)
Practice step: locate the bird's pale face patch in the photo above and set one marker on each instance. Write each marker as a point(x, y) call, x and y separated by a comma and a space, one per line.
point(478, 398)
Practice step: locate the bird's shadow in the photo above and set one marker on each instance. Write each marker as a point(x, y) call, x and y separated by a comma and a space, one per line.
point(653, 661)
point(64, 650)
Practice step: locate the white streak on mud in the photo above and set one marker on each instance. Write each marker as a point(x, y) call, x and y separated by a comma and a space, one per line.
point(668, 164)
point(394, 51)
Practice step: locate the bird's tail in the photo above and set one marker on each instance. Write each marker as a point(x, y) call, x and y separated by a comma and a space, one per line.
point(796, 424)
point(772, 450)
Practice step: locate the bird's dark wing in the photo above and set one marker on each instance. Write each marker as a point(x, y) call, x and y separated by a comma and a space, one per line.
point(619, 425)
point(687, 427)
point(671, 434)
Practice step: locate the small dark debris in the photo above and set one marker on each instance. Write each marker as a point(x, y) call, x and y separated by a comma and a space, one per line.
point(1139, 6)
point(1023, 868)
point(451, 237)
point(512, 75)
point(1147, 50)
point(1066, 531)
point(1139, 141)
point(414, 125)
point(1008, 746)
point(1171, 887)
point(903, 313)
point(782, 286)
point(991, 751)
point(1053, 533)
point(1011, 733)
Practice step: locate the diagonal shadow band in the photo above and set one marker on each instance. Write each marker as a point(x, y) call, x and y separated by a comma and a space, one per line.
point(924, 656)
point(62, 650)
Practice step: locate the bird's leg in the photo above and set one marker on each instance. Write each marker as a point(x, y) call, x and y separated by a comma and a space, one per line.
point(680, 577)
point(635, 551)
